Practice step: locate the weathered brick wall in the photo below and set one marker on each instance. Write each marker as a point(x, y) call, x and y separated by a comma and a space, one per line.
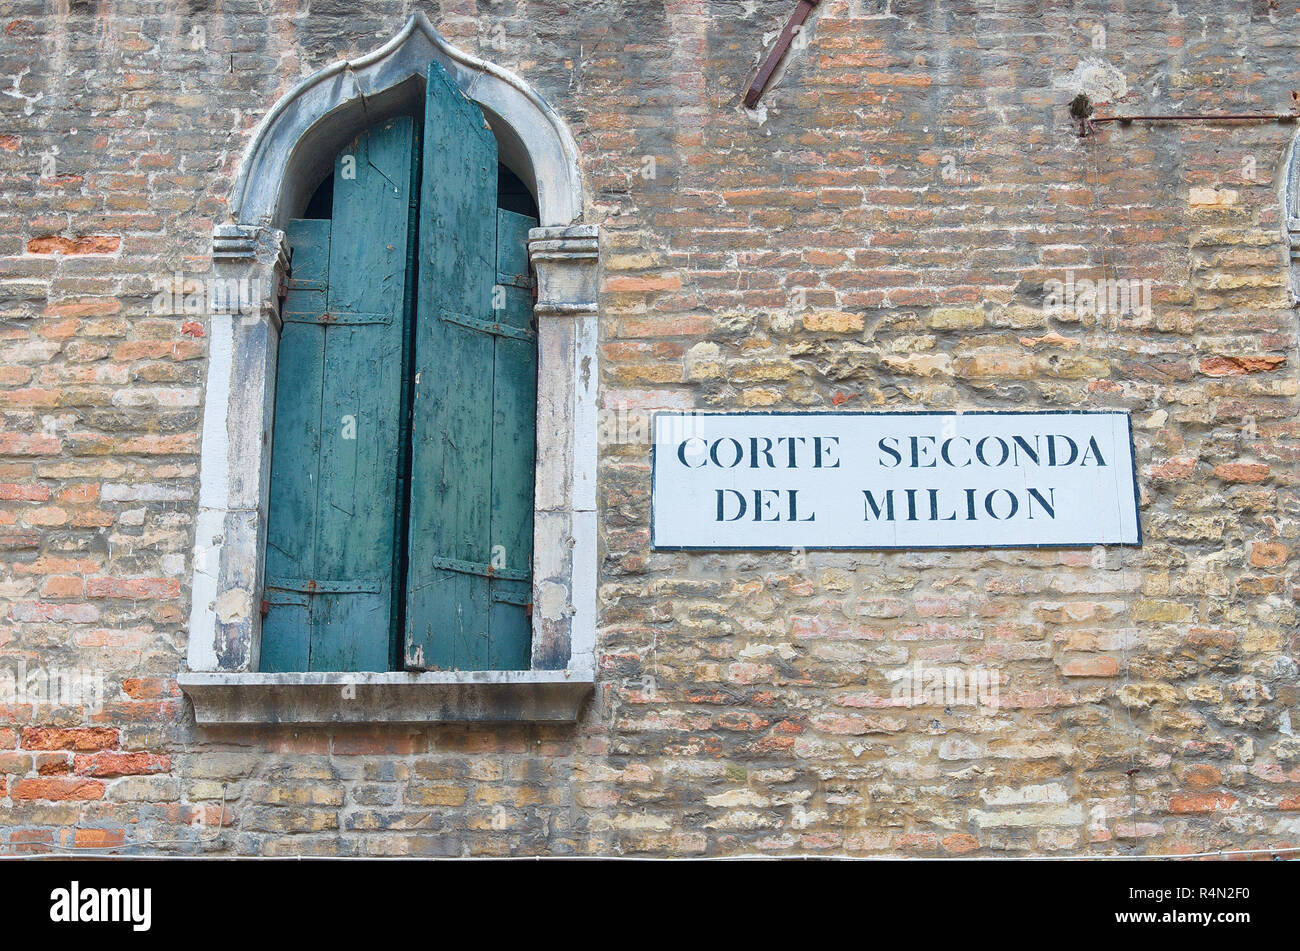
point(877, 234)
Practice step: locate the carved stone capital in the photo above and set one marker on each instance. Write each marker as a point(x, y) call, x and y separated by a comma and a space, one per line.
point(565, 260)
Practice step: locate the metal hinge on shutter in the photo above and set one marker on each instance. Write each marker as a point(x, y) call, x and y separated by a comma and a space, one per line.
point(507, 597)
point(477, 568)
point(488, 326)
point(523, 281)
point(314, 586)
point(337, 318)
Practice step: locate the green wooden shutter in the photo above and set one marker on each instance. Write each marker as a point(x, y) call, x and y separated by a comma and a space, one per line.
point(337, 446)
point(514, 440)
point(474, 406)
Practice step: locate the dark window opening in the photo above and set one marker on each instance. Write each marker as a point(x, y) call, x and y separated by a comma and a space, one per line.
point(322, 202)
point(512, 195)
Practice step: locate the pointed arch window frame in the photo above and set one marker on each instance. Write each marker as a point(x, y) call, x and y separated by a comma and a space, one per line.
point(278, 172)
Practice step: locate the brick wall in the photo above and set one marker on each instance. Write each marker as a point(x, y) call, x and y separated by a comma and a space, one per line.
point(878, 234)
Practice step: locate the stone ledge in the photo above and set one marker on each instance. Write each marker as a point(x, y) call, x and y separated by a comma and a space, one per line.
point(442, 696)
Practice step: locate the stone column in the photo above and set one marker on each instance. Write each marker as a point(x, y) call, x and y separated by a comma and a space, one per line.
point(243, 338)
point(564, 545)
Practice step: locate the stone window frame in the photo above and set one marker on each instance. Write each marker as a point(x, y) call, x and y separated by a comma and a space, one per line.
point(289, 155)
point(1289, 199)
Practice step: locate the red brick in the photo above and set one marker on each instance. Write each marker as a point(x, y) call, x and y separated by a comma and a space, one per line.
point(73, 494)
point(72, 612)
point(94, 838)
point(10, 492)
point(133, 588)
point(1101, 666)
point(1202, 774)
point(58, 788)
point(1241, 472)
point(22, 444)
point(85, 307)
point(625, 284)
point(1232, 366)
point(85, 244)
point(1198, 803)
point(81, 739)
point(917, 840)
point(150, 688)
point(52, 764)
point(31, 841)
point(120, 764)
point(186, 349)
point(1172, 470)
point(1268, 554)
point(959, 843)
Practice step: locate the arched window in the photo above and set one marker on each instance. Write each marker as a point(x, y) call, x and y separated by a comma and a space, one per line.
point(451, 575)
point(400, 522)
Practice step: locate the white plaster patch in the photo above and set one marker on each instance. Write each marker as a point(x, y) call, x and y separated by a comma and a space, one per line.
point(703, 353)
point(585, 425)
point(214, 479)
point(582, 628)
point(202, 653)
point(553, 602)
point(737, 797)
point(235, 604)
point(1098, 79)
point(1025, 795)
point(782, 321)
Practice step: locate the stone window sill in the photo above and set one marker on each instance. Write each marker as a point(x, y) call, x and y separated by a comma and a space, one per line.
point(442, 696)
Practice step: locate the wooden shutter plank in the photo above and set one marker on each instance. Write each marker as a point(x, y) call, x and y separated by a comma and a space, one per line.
point(511, 643)
point(512, 248)
point(295, 449)
point(514, 436)
point(361, 397)
point(448, 611)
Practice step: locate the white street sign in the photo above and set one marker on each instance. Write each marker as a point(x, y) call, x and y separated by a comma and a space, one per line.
point(770, 481)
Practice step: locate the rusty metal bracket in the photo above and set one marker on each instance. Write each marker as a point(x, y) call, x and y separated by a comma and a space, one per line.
point(755, 91)
point(1205, 117)
point(1087, 124)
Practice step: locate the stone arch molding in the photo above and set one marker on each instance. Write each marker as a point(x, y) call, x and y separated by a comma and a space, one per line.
point(283, 163)
point(1290, 199)
point(290, 152)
